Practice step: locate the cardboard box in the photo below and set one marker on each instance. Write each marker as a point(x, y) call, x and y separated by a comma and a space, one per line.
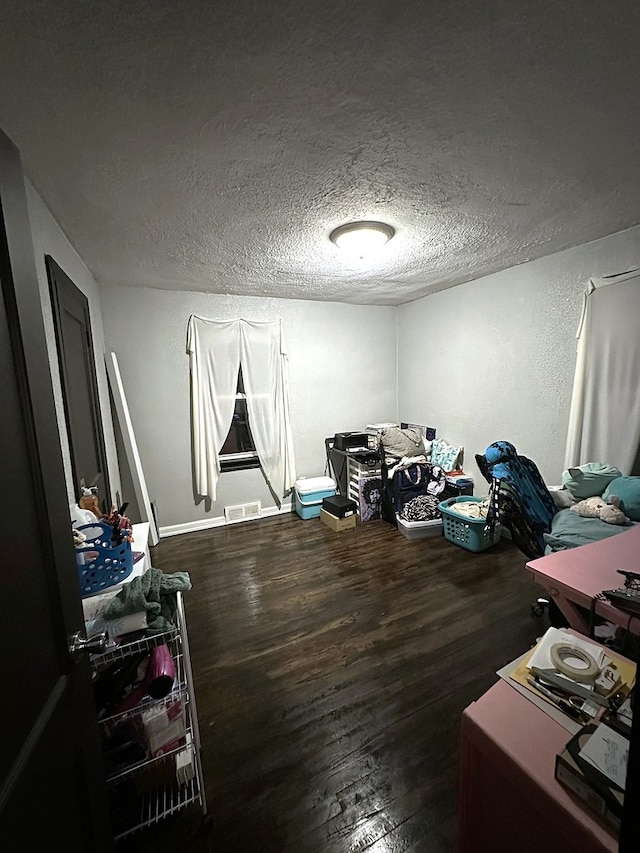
point(338, 524)
point(339, 506)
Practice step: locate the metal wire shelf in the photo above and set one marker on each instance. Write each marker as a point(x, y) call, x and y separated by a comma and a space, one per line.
point(133, 808)
point(179, 688)
point(140, 644)
point(141, 766)
point(179, 693)
point(161, 803)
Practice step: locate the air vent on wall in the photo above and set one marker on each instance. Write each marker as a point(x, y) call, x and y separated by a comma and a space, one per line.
point(242, 512)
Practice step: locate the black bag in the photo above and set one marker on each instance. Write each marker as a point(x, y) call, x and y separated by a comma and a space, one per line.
point(410, 482)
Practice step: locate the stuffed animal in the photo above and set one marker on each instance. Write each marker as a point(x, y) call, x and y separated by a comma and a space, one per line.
point(611, 512)
point(597, 508)
point(79, 538)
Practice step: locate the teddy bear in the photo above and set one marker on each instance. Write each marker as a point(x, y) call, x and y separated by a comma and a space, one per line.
point(597, 508)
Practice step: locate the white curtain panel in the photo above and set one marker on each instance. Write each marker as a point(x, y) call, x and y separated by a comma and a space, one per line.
point(265, 369)
point(216, 351)
point(214, 361)
point(604, 421)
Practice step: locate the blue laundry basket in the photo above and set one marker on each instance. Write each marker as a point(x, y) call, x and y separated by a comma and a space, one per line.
point(466, 532)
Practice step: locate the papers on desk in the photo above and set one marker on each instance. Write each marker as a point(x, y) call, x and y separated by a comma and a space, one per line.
point(541, 657)
point(608, 752)
point(515, 674)
point(518, 672)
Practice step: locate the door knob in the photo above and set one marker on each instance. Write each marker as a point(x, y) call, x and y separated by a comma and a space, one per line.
point(95, 645)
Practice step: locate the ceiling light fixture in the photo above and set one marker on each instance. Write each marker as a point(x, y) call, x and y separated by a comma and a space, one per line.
point(361, 238)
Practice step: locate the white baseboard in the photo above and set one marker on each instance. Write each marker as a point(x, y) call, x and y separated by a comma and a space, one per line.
point(267, 512)
point(192, 526)
point(218, 521)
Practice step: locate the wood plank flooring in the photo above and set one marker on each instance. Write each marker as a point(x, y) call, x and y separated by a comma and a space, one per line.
point(331, 671)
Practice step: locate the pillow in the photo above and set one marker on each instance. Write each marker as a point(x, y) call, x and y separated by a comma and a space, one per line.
point(562, 497)
point(402, 442)
point(628, 490)
point(589, 480)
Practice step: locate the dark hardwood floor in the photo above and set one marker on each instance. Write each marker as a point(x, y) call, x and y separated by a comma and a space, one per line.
point(331, 671)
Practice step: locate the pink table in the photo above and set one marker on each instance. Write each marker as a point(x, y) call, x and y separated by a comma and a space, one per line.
point(510, 801)
point(572, 578)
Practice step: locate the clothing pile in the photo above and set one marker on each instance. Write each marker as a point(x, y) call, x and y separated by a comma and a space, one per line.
point(471, 509)
point(153, 592)
point(422, 508)
point(413, 473)
point(416, 489)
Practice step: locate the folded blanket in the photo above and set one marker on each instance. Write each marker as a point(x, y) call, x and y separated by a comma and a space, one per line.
point(153, 592)
point(570, 530)
point(406, 462)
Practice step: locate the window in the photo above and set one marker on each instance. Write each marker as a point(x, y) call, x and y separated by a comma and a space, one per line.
point(218, 400)
point(239, 451)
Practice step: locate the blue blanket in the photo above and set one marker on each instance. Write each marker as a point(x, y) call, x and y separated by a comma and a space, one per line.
point(536, 507)
point(570, 530)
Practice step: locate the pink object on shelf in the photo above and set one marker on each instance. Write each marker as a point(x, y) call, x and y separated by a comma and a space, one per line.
point(158, 679)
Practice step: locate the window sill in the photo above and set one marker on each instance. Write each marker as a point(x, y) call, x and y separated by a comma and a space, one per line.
point(238, 461)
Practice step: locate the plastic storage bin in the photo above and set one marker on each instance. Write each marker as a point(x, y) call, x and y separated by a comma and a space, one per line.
point(100, 564)
point(308, 494)
point(469, 533)
point(419, 529)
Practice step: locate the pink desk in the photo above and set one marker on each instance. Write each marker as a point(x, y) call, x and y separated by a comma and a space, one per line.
point(572, 578)
point(509, 799)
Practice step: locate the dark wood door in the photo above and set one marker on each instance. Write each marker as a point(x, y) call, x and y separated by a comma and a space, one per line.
point(79, 383)
point(51, 785)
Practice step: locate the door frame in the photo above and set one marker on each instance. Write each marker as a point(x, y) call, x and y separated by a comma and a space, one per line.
point(67, 297)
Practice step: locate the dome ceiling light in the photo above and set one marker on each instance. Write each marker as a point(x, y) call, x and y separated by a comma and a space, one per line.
point(361, 239)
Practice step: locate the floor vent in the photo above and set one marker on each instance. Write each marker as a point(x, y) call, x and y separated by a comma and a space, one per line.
point(242, 512)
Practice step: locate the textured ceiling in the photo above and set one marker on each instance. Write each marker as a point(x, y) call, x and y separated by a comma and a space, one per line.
point(214, 145)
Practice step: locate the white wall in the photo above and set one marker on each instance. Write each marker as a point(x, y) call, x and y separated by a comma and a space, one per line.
point(494, 358)
point(490, 359)
point(342, 372)
point(48, 239)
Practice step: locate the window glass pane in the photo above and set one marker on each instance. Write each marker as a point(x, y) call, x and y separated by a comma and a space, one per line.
point(240, 382)
point(239, 439)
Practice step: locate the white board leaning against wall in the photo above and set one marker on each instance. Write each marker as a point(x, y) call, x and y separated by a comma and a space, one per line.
point(130, 445)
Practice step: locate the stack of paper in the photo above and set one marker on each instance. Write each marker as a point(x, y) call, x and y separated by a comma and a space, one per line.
point(541, 658)
point(608, 752)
